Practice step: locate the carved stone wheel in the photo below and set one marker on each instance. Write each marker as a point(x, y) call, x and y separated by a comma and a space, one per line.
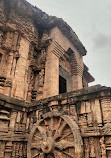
point(55, 136)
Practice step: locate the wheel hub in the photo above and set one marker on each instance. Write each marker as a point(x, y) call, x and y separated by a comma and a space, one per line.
point(48, 145)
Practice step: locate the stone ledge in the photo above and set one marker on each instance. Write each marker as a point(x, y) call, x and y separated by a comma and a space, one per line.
point(92, 92)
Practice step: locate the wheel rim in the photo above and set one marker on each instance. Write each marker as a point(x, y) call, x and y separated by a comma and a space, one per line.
point(54, 137)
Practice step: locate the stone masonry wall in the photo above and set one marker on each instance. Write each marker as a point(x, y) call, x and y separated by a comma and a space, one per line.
point(32, 47)
point(89, 108)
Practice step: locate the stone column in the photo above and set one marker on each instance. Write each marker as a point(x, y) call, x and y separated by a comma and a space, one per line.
point(76, 63)
point(103, 148)
point(87, 148)
point(9, 65)
point(82, 117)
point(8, 69)
point(89, 113)
point(2, 149)
point(98, 112)
point(73, 113)
point(106, 109)
point(92, 149)
point(77, 82)
point(13, 120)
point(51, 85)
point(8, 149)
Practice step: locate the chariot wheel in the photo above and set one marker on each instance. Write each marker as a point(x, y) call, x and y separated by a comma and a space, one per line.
point(55, 136)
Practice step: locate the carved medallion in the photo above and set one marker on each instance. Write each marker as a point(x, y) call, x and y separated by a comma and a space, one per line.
point(55, 136)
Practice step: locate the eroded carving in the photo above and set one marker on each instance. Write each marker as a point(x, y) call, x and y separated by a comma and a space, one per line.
point(55, 136)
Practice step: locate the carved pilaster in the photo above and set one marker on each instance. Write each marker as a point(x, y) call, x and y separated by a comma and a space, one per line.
point(82, 115)
point(86, 147)
point(106, 109)
point(8, 149)
point(89, 113)
point(13, 120)
point(73, 112)
point(2, 149)
point(98, 112)
point(103, 148)
point(92, 149)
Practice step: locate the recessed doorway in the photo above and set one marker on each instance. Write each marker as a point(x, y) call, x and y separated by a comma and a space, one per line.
point(62, 85)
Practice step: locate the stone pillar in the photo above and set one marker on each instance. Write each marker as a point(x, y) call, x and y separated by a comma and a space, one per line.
point(82, 117)
point(73, 113)
point(27, 124)
point(86, 147)
point(8, 69)
point(92, 149)
point(9, 65)
point(8, 149)
point(51, 85)
point(13, 120)
point(2, 149)
point(106, 109)
point(98, 112)
point(77, 82)
point(20, 84)
point(77, 70)
point(103, 148)
point(89, 113)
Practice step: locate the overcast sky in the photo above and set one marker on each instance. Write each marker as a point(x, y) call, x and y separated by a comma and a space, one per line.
point(91, 20)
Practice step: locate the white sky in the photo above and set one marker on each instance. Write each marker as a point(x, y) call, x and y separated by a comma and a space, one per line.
point(91, 20)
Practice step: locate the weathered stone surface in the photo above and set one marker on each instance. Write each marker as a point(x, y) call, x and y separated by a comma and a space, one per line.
point(36, 120)
point(19, 122)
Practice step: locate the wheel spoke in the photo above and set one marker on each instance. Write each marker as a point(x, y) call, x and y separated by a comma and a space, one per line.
point(58, 125)
point(46, 123)
point(71, 156)
point(58, 132)
point(36, 145)
point(66, 135)
point(36, 155)
point(58, 154)
point(51, 127)
point(41, 155)
point(63, 144)
point(42, 131)
point(37, 137)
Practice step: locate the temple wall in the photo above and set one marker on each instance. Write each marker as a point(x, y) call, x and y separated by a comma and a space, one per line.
point(17, 34)
point(19, 78)
point(30, 54)
point(90, 113)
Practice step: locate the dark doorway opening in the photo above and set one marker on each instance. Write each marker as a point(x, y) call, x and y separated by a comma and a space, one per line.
point(0, 57)
point(62, 85)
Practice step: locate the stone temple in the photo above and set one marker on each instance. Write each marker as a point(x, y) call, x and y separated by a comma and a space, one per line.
point(47, 109)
